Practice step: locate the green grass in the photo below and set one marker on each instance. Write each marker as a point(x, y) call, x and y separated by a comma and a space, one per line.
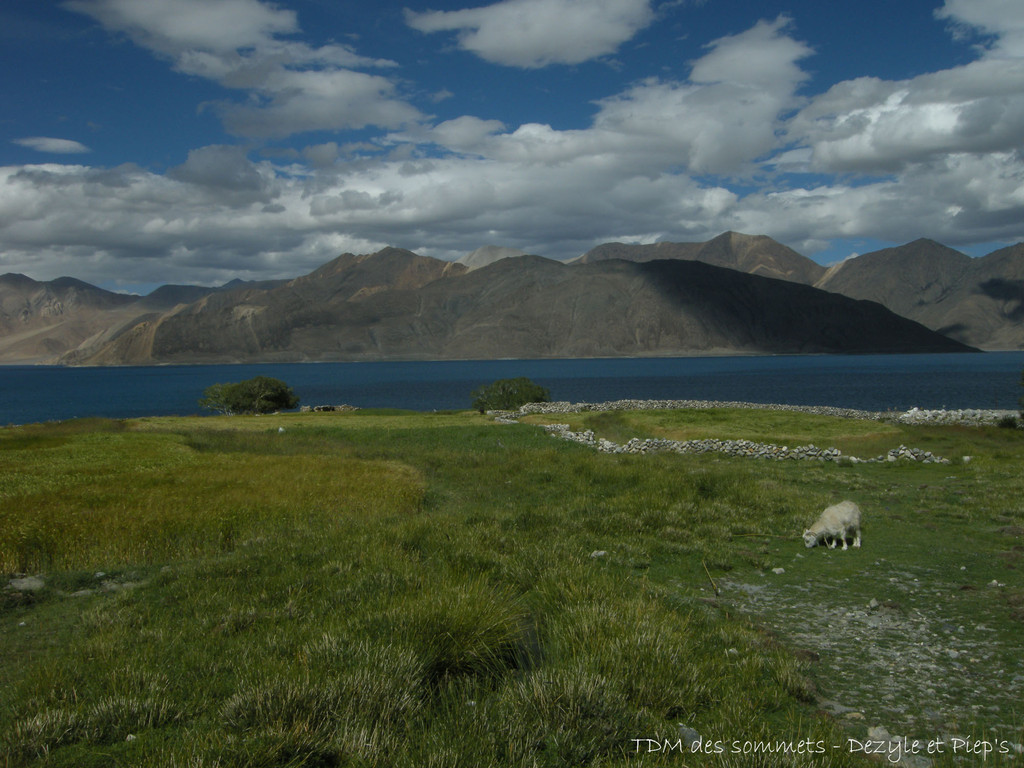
point(394, 588)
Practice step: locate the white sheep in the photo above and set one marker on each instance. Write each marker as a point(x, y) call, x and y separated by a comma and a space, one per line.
point(836, 522)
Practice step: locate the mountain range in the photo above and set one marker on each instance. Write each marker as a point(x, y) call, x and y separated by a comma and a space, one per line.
point(735, 294)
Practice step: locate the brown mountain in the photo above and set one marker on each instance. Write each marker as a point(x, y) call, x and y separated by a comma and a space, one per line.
point(395, 304)
point(977, 301)
point(44, 322)
point(754, 254)
point(41, 320)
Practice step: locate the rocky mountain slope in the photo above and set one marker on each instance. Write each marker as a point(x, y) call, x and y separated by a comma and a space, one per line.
point(754, 254)
point(39, 321)
point(488, 254)
point(44, 322)
point(617, 299)
point(978, 301)
point(396, 304)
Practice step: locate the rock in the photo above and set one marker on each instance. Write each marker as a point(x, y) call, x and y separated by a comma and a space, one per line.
point(26, 584)
point(597, 553)
point(689, 737)
point(778, 571)
point(878, 733)
point(739, 448)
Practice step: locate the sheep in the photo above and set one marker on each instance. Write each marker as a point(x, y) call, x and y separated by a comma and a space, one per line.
point(836, 522)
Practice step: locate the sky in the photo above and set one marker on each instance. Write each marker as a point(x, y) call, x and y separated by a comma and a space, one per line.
point(145, 142)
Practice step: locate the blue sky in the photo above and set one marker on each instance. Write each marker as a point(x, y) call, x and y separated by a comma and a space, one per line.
point(164, 141)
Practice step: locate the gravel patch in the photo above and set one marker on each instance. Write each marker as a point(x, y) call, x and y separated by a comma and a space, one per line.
point(909, 660)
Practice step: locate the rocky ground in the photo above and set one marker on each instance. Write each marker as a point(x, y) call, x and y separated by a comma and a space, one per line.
point(905, 665)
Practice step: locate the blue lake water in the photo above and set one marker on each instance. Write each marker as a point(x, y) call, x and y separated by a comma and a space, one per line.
point(870, 382)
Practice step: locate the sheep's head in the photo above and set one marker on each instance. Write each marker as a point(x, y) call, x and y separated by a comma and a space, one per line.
point(810, 539)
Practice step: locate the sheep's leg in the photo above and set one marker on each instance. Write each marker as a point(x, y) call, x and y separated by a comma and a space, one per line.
point(856, 538)
point(844, 542)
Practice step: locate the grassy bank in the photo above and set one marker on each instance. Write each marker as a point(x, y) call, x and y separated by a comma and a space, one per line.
point(425, 589)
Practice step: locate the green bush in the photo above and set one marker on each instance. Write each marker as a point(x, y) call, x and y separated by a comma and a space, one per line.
point(261, 394)
point(508, 394)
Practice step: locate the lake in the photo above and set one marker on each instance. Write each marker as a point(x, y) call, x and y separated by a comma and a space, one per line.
point(869, 382)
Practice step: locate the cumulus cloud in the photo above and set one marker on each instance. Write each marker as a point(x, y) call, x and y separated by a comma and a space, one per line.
point(218, 26)
point(1003, 20)
point(873, 125)
point(243, 44)
point(718, 121)
point(536, 33)
point(869, 125)
point(53, 146)
point(226, 174)
point(937, 155)
point(762, 56)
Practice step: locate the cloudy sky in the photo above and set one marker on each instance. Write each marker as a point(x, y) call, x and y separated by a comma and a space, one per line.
point(165, 141)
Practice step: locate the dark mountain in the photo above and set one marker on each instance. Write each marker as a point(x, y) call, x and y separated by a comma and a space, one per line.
point(977, 301)
point(616, 300)
point(169, 296)
point(395, 304)
point(754, 254)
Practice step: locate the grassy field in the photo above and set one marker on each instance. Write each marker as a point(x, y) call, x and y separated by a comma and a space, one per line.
point(402, 589)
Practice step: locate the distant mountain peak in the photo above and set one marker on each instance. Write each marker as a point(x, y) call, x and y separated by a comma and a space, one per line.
point(753, 254)
point(488, 254)
point(497, 301)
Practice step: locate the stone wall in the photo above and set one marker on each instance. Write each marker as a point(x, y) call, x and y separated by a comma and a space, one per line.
point(748, 448)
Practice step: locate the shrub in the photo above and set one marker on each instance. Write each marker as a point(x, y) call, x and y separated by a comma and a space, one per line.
point(508, 394)
point(261, 394)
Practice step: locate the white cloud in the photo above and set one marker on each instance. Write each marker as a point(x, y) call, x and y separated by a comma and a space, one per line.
point(318, 100)
point(53, 146)
point(218, 26)
point(1002, 19)
point(293, 87)
point(536, 33)
point(762, 56)
point(657, 161)
point(465, 134)
point(870, 125)
point(533, 187)
point(720, 120)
